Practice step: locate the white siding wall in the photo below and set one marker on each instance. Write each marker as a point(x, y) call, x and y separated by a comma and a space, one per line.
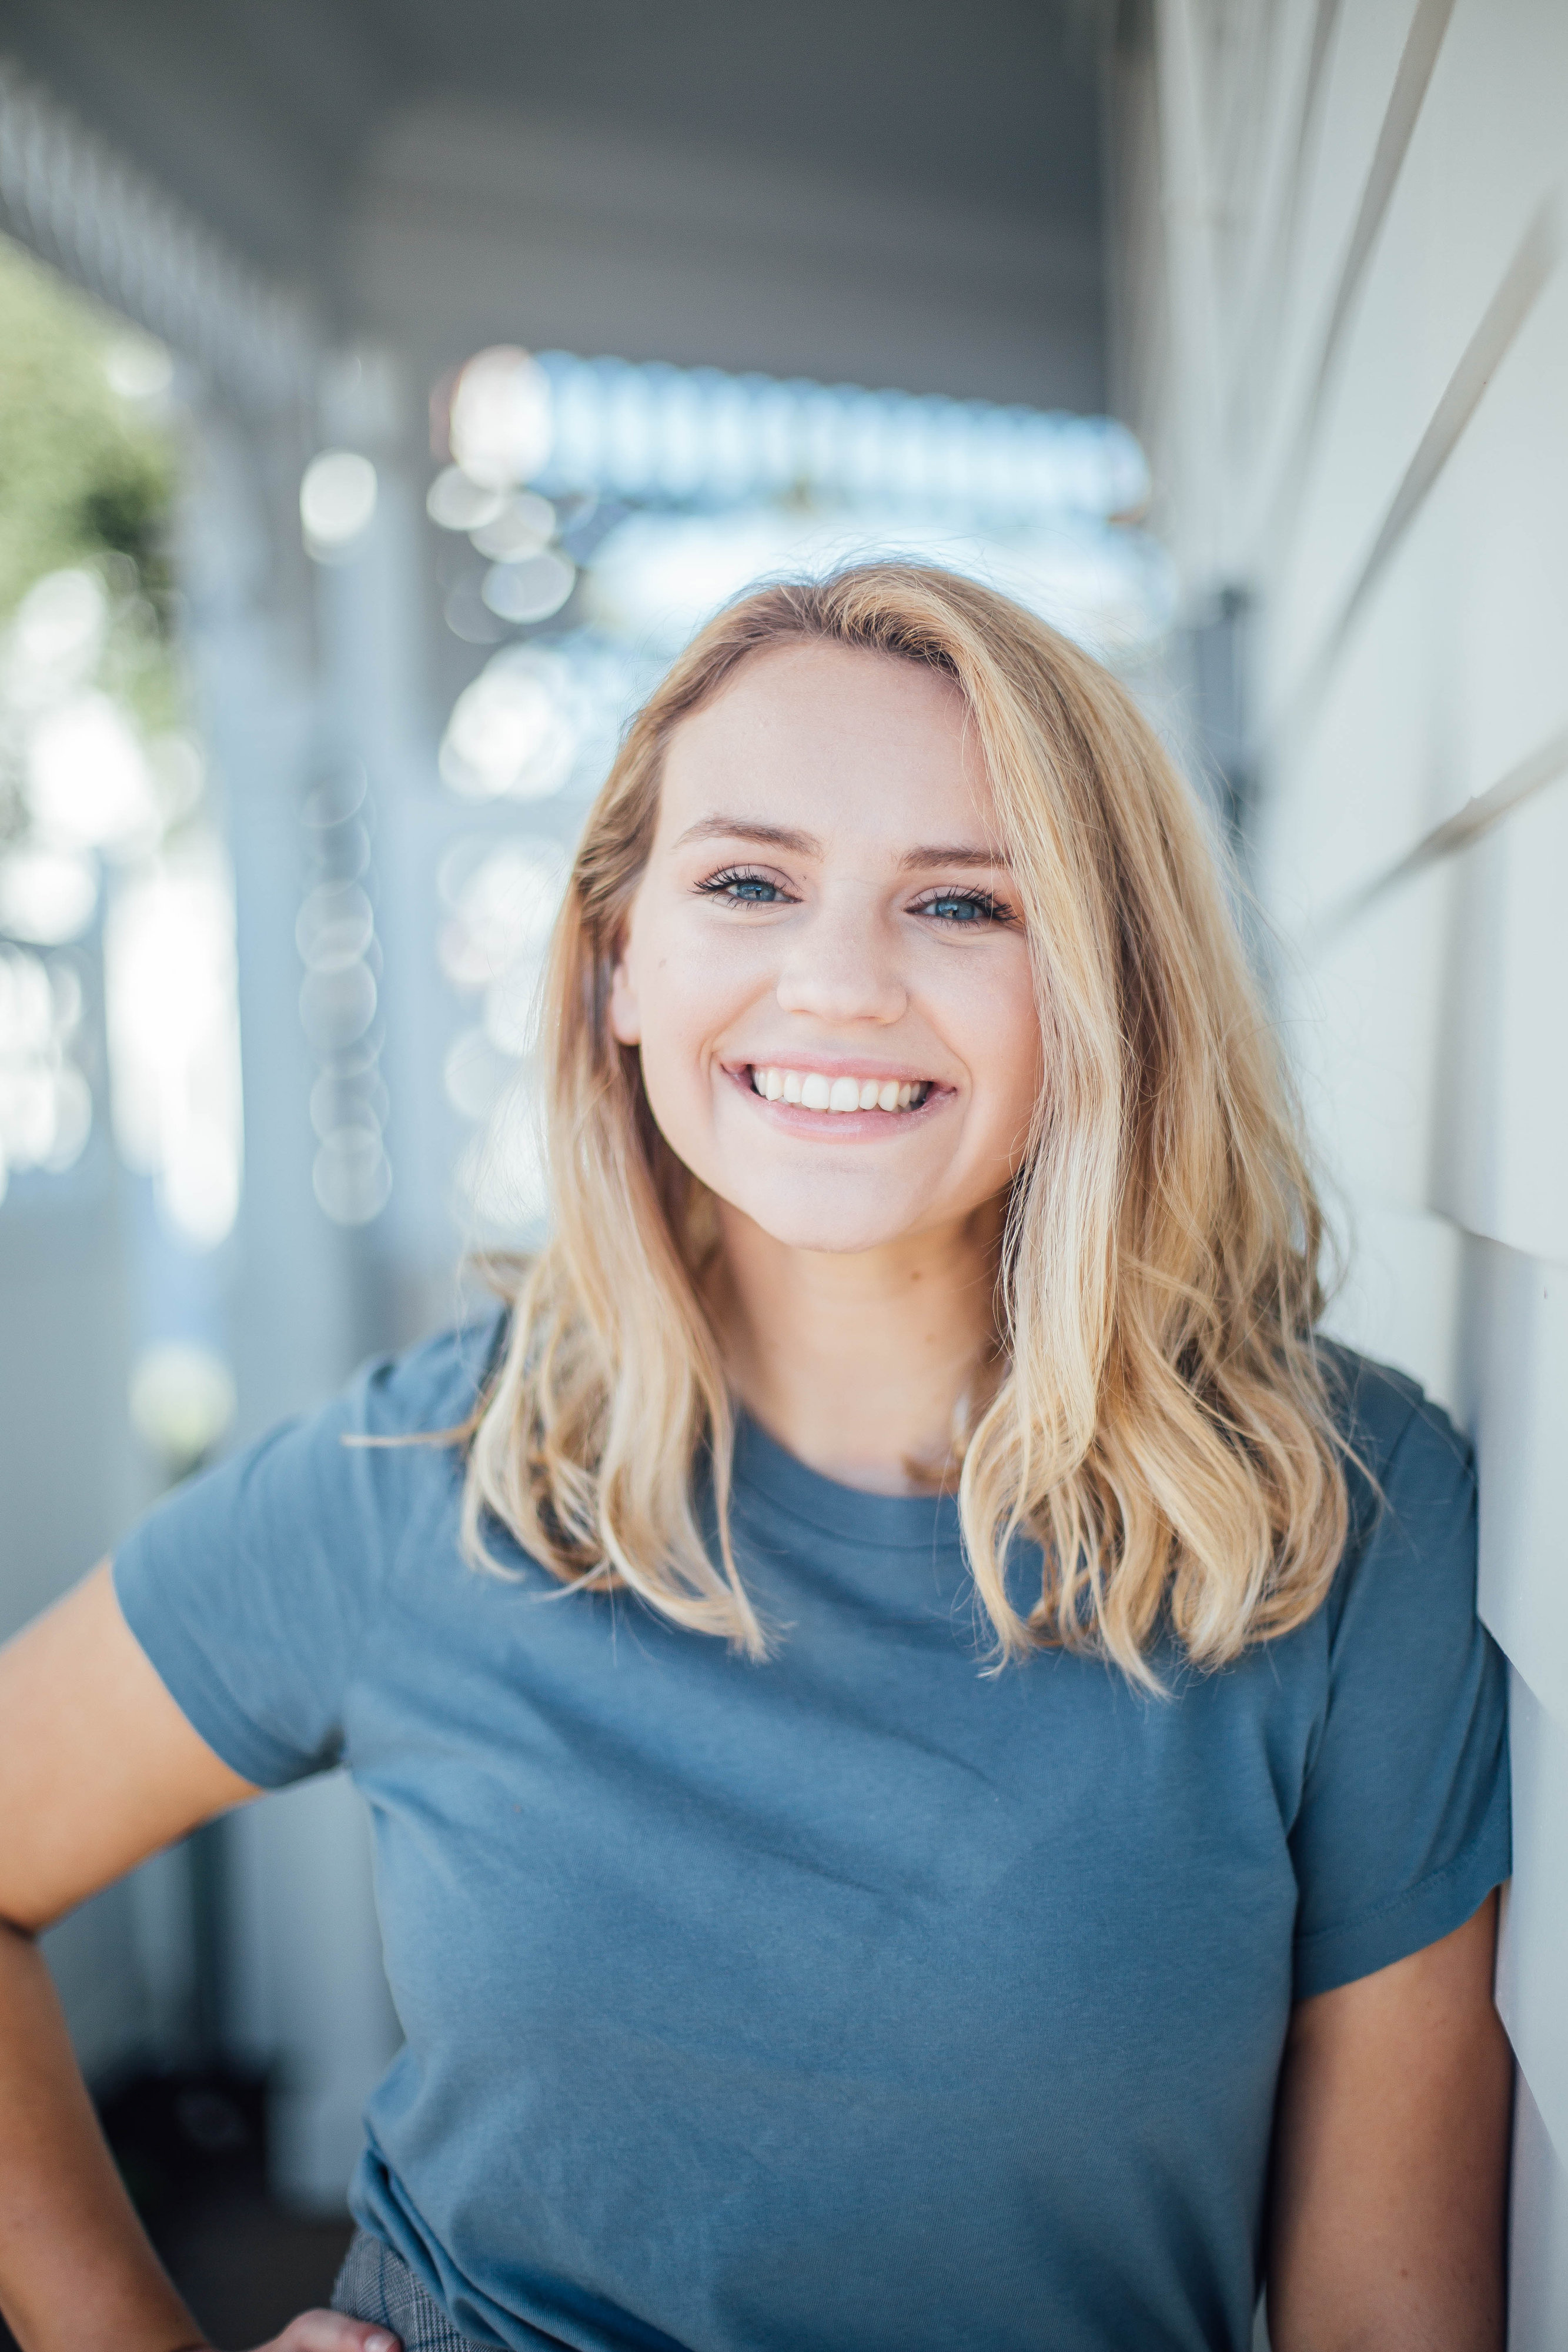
point(1344, 332)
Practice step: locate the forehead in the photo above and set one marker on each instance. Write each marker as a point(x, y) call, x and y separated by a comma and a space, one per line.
point(835, 740)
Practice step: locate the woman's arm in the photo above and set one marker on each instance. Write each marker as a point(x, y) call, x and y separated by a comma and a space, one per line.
point(98, 1769)
point(1391, 2160)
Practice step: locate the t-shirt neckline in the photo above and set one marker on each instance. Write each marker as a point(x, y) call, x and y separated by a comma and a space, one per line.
point(849, 1514)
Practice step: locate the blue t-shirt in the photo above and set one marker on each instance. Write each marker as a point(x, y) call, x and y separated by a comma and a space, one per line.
point(857, 2000)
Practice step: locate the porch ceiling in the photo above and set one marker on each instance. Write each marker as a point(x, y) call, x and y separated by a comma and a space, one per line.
point(435, 169)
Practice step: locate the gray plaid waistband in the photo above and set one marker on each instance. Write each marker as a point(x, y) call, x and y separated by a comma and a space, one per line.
point(376, 2283)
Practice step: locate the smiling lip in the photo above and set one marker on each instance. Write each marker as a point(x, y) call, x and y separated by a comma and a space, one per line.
point(843, 1100)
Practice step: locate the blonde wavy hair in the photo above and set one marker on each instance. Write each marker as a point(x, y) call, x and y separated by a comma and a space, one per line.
point(1158, 1419)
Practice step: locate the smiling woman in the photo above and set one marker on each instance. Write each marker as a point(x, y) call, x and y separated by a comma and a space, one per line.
point(1062, 1894)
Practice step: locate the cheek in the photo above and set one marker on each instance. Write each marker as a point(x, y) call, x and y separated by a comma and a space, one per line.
point(1003, 1047)
point(654, 980)
point(694, 978)
point(685, 993)
point(677, 1009)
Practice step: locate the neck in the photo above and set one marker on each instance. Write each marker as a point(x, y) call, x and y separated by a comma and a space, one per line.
point(856, 1363)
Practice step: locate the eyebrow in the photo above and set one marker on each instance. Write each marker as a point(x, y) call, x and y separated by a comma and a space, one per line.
point(743, 828)
point(957, 853)
point(806, 845)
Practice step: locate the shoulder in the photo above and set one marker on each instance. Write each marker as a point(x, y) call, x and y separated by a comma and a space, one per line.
point(1402, 1824)
point(427, 1390)
point(388, 1447)
point(1390, 1421)
point(1403, 1448)
point(363, 1464)
point(1411, 1474)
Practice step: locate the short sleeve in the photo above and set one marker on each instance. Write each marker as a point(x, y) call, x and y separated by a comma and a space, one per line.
point(1402, 1829)
point(253, 1589)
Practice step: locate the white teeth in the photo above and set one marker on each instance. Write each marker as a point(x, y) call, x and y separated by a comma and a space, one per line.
point(814, 1090)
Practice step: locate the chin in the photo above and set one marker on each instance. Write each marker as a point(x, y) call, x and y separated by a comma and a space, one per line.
point(840, 1242)
point(836, 1230)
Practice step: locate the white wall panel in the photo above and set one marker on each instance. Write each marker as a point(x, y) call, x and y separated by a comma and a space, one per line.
point(1401, 1297)
point(1463, 201)
point(1453, 673)
point(1538, 2264)
point(1432, 1032)
point(1368, 43)
point(1364, 1026)
point(1500, 1147)
point(1513, 1397)
point(1533, 1957)
point(1499, 549)
point(1355, 782)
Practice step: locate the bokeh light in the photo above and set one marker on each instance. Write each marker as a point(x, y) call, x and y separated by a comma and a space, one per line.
point(88, 785)
point(173, 1036)
point(182, 1402)
point(500, 900)
point(517, 527)
point(55, 640)
point(501, 422)
point(513, 733)
point(47, 896)
point(336, 502)
point(46, 1103)
point(667, 435)
point(532, 590)
point(455, 502)
point(138, 368)
point(113, 825)
point(501, 1174)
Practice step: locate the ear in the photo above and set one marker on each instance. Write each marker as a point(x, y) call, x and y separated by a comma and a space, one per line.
point(625, 1014)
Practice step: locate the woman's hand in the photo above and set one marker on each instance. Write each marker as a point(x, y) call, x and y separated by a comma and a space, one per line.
point(328, 2331)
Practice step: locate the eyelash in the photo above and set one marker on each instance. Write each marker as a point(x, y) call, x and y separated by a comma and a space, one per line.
point(718, 885)
point(991, 911)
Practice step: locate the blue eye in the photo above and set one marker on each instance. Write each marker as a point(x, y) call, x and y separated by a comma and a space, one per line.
point(743, 887)
point(970, 908)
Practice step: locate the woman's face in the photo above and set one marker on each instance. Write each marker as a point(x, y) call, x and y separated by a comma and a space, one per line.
point(827, 919)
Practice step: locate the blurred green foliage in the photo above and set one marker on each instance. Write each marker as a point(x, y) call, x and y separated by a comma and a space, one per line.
point(85, 475)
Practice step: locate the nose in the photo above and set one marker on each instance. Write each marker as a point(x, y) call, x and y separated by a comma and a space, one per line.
point(841, 968)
